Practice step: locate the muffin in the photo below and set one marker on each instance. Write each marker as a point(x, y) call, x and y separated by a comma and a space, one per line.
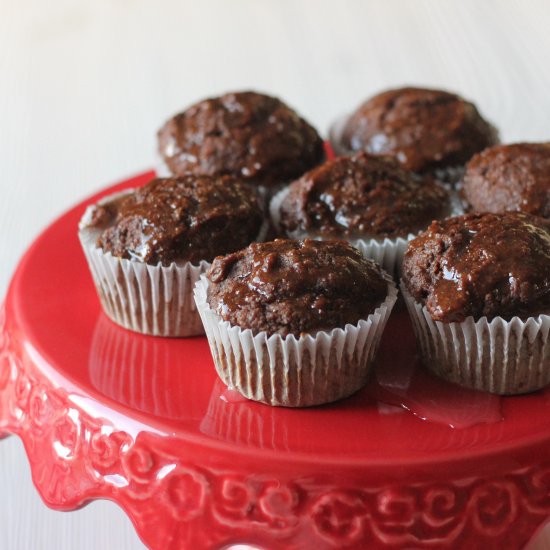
point(294, 323)
point(370, 201)
point(252, 136)
point(510, 178)
point(147, 247)
point(478, 291)
point(426, 131)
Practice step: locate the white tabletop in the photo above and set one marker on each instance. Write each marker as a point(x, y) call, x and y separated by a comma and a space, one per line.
point(85, 85)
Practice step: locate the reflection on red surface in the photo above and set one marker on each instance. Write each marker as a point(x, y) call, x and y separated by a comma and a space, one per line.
point(404, 383)
point(145, 373)
point(151, 374)
point(234, 419)
point(229, 395)
point(396, 387)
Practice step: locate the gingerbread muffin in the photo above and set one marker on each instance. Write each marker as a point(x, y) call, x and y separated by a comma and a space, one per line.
point(425, 130)
point(512, 177)
point(147, 247)
point(252, 136)
point(370, 201)
point(478, 290)
point(187, 218)
point(275, 313)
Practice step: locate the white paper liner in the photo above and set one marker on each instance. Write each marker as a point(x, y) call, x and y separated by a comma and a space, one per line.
point(161, 169)
point(388, 253)
point(150, 299)
point(498, 356)
point(294, 372)
point(457, 204)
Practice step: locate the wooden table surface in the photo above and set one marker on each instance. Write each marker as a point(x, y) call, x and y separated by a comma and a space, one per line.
point(84, 85)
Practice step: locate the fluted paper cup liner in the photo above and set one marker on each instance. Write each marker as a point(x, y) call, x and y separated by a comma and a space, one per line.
point(294, 372)
point(498, 356)
point(388, 253)
point(150, 299)
point(161, 169)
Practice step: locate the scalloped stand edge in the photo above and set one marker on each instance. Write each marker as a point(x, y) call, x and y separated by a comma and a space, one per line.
point(181, 495)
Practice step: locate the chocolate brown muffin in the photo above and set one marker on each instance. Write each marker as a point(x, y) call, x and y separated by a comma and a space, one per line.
point(423, 129)
point(510, 177)
point(361, 196)
point(249, 135)
point(294, 287)
point(481, 265)
point(188, 218)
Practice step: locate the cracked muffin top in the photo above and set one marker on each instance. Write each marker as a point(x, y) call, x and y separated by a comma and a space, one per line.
point(187, 218)
point(361, 196)
point(253, 136)
point(295, 287)
point(481, 265)
point(423, 129)
point(512, 177)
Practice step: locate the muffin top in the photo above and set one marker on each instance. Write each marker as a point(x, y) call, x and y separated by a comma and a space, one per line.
point(481, 265)
point(423, 129)
point(249, 135)
point(510, 177)
point(188, 218)
point(295, 287)
point(359, 196)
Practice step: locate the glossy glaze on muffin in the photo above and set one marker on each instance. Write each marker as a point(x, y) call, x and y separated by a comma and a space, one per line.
point(188, 218)
point(512, 177)
point(361, 196)
point(481, 265)
point(295, 287)
point(423, 129)
point(249, 135)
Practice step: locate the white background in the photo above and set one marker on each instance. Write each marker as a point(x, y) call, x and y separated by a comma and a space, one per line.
point(85, 85)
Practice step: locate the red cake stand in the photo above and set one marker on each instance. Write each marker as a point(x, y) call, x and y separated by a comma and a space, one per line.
point(408, 462)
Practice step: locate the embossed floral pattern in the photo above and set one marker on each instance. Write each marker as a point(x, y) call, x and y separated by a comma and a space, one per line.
point(234, 500)
point(66, 437)
point(173, 500)
point(279, 504)
point(105, 451)
point(538, 489)
point(494, 506)
point(5, 369)
point(41, 410)
point(339, 516)
point(184, 491)
point(140, 464)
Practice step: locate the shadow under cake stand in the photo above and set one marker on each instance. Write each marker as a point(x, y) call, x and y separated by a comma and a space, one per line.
point(408, 462)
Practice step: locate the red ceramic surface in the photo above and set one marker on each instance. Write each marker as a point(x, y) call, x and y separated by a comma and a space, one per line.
point(408, 462)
